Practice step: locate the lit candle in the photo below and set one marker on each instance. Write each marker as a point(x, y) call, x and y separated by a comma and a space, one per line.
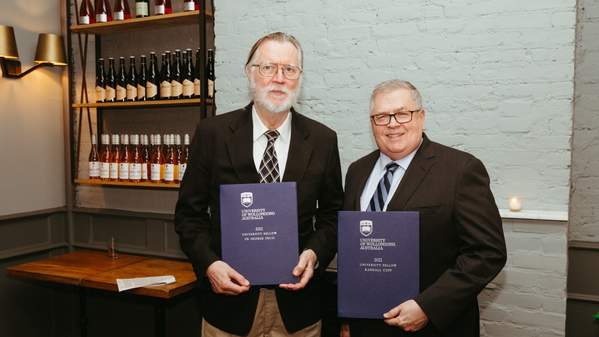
point(515, 204)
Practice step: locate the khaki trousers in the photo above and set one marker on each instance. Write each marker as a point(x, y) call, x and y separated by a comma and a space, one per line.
point(267, 321)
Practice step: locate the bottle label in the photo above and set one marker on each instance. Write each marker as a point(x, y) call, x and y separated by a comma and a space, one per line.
point(105, 171)
point(188, 88)
point(141, 92)
point(165, 89)
point(182, 168)
point(169, 172)
point(189, 6)
point(159, 10)
point(114, 170)
point(94, 169)
point(101, 17)
point(135, 171)
point(144, 171)
point(197, 87)
point(177, 88)
point(141, 8)
point(110, 94)
point(210, 88)
point(155, 172)
point(119, 16)
point(151, 90)
point(121, 93)
point(123, 171)
point(100, 94)
point(131, 92)
point(84, 20)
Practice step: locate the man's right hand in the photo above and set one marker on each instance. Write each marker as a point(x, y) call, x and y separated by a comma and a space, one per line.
point(225, 280)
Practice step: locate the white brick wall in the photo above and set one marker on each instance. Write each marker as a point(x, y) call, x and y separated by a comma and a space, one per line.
point(496, 76)
point(497, 80)
point(528, 297)
point(585, 140)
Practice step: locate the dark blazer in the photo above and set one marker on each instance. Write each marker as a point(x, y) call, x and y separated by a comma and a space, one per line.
point(462, 246)
point(222, 154)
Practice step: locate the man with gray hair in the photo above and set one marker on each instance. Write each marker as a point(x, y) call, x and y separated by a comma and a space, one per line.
point(265, 142)
point(462, 247)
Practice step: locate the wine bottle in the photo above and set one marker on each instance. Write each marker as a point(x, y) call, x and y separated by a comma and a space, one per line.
point(124, 159)
point(165, 76)
point(184, 158)
point(100, 81)
point(189, 5)
point(197, 4)
point(188, 77)
point(121, 83)
point(142, 78)
point(157, 162)
point(105, 157)
point(159, 7)
point(197, 82)
point(103, 13)
point(168, 7)
point(152, 82)
point(115, 155)
point(119, 10)
point(87, 14)
point(176, 77)
point(145, 153)
point(210, 73)
point(135, 167)
point(110, 82)
point(170, 161)
point(178, 153)
point(94, 159)
point(142, 8)
point(132, 80)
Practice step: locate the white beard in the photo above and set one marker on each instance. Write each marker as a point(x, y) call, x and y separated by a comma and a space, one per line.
point(260, 97)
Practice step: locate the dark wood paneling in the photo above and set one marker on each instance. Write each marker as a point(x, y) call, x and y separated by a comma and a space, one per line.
point(579, 318)
point(583, 263)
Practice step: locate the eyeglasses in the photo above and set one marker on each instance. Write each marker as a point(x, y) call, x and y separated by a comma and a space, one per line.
point(401, 117)
point(290, 72)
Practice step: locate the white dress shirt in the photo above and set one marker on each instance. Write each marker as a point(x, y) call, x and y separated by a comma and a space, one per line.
point(281, 143)
point(378, 171)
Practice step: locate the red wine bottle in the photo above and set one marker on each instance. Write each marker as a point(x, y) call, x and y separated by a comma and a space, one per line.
point(87, 14)
point(122, 10)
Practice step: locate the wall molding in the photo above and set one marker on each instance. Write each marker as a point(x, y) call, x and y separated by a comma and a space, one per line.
point(47, 211)
point(577, 244)
point(534, 215)
point(7, 254)
point(583, 297)
point(131, 251)
point(125, 213)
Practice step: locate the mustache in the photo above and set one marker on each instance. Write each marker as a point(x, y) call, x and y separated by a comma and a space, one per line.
point(276, 87)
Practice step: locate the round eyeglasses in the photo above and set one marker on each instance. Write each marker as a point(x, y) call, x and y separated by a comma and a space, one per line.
point(290, 72)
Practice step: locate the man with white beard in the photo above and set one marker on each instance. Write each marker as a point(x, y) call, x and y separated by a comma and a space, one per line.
point(267, 142)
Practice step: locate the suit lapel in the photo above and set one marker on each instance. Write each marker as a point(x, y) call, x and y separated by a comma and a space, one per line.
point(240, 147)
point(299, 149)
point(363, 171)
point(417, 171)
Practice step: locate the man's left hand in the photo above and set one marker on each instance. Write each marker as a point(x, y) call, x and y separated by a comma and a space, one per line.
point(304, 270)
point(408, 316)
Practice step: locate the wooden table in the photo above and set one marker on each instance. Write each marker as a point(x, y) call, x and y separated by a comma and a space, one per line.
point(88, 269)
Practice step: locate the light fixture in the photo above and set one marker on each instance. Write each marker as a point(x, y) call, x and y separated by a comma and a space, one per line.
point(515, 204)
point(50, 52)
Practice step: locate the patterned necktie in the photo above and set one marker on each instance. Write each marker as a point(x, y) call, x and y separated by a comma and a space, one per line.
point(269, 167)
point(382, 190)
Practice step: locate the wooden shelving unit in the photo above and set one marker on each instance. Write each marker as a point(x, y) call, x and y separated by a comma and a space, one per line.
point(96, 182)
point(143, 104)
point(155, 21)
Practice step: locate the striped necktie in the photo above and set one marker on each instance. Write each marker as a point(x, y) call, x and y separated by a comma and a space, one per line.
point(377, 203)
point(269, 166)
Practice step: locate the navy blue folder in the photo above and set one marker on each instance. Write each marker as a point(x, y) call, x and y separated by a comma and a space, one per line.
point(378, 262)
point(259, 231)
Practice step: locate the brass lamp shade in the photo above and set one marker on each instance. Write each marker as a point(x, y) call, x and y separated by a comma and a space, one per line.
point(8, 45)
point(50, 49)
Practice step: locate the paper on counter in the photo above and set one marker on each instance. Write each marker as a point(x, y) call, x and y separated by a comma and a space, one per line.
point(138, 282)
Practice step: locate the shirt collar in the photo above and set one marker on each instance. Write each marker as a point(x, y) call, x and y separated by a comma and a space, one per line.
point(403, 162)
point(259, 127)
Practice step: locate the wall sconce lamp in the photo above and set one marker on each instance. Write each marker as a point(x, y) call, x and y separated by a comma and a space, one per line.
point(49, 52)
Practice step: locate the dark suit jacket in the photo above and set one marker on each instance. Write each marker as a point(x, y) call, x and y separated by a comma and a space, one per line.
point(462, 246)
point(222, 154)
